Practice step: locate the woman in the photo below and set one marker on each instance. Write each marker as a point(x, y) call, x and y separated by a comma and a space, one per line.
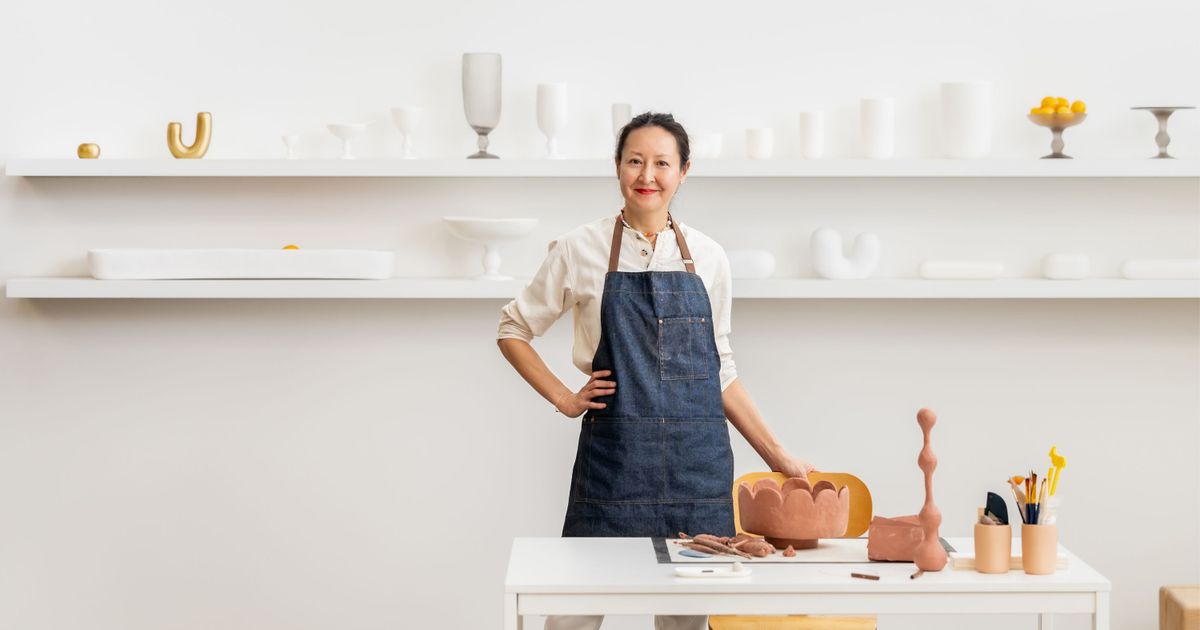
point(652, 330)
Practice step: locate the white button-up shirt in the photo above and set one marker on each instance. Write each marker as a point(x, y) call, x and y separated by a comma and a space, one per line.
point(572, 278)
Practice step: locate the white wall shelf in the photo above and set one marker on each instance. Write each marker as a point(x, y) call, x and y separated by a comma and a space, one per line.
point(1029, 167)
point(440, 288)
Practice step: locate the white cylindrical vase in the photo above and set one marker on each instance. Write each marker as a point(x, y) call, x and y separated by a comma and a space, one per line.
point(760, 143)
point(877, 121)
point(966, 119)
point(812, 135)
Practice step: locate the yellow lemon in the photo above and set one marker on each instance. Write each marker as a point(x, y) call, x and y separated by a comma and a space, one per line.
point(1035, 110)
point(1049, 101)
point(1062, 109)
point(291, 247)
point(1079, 107)
point(1046, 111)
point(1065, 114)
point(1062, 102)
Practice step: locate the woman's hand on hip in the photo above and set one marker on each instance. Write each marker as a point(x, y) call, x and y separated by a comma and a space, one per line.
point(573, 405)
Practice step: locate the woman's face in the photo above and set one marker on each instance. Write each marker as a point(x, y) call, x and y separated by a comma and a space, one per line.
point(650, 171)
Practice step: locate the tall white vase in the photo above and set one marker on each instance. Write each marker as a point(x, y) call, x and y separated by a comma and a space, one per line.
point(552, 115)
point(877, 121)
point(812, 135)
point(966, 118)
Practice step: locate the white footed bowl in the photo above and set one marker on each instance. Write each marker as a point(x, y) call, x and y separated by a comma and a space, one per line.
point(490, 232)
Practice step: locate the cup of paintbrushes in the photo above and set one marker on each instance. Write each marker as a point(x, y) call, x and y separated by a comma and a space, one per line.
point(993, 548)
point(1039, 548)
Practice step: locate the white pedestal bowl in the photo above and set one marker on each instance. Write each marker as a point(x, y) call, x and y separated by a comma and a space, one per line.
point(490, 232)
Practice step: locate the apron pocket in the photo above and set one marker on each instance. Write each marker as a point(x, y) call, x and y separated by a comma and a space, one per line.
point(682, 349)
point(625, 461)
point(699, 461)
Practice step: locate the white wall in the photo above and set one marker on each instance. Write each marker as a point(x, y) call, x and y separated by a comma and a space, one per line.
point(294, 464)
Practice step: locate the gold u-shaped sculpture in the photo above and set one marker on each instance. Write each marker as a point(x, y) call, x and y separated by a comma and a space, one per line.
point(198, 147)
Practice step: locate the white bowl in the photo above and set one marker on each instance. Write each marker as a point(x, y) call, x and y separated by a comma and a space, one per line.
point(490, 232)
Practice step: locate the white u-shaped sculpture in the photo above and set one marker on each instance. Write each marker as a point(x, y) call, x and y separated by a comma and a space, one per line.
point(830, 262)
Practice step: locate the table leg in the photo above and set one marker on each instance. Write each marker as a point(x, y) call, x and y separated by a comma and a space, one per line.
point(1100, 617)
point(512, 620)
point(1045, 621)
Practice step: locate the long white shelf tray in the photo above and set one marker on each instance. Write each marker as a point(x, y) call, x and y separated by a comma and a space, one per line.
point(167, 167)
point(442, 288)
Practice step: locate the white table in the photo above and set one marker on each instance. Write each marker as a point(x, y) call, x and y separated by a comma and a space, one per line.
point(621, 576)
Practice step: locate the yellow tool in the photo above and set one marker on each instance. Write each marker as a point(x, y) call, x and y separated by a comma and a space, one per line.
point(1058, 462)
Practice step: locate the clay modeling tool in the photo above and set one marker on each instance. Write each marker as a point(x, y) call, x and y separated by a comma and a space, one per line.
point(864, 576)
point(1059, 462)
point(997, 508)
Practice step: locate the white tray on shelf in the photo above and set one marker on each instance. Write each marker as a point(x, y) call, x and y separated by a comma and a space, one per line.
point(182, 264)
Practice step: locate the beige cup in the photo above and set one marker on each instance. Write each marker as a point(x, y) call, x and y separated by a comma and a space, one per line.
point(1039, 548)
point(993, 548)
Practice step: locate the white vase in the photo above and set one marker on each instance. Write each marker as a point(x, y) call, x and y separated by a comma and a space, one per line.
point(622, 113)
point(812, 135)
point(760, 143)
point(966, 119)
point(877, 121)
point(552, 115)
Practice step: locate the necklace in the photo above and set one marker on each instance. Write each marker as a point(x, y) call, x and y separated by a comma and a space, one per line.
point(646, 234)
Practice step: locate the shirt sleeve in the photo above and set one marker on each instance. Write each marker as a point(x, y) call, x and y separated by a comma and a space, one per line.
point(722, 307)
point(543, 301)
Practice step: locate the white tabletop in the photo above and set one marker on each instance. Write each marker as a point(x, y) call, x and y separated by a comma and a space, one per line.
point(629, 565)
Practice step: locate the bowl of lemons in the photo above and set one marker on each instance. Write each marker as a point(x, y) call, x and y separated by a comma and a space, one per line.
point(1058, 113)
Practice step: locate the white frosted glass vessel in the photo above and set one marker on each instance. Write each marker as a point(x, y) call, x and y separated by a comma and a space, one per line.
point(966, 119)
point(877, 121)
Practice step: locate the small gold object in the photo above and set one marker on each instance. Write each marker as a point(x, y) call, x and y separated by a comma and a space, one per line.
point(291, 247)
point(88, 151)
point(198, 147)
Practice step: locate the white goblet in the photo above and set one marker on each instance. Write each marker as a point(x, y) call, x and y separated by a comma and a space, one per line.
point(622, 113)
point(290, 141)
point(406, 119)
point(346, 132)
point(552, 114)
point(490, 232)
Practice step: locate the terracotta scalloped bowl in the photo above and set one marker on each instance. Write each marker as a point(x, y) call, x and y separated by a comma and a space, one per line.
point(796, 514)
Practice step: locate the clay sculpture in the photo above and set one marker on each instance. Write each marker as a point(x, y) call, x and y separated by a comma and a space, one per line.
point(930, 555)
point(894, 539)
point(742, 545)
point(795, 514)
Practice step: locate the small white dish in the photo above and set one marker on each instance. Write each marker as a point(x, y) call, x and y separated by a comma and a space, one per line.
point(735, 570)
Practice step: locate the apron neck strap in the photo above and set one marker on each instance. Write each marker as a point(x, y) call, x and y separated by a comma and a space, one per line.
point(615, 253)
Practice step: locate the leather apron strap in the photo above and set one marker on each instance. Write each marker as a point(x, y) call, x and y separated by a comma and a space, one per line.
point(614, 255)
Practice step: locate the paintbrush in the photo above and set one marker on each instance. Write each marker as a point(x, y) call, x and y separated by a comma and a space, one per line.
point(1041, 499)
point(1018, 494)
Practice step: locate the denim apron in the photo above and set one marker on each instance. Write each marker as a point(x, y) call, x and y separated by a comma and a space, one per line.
point(656, 460)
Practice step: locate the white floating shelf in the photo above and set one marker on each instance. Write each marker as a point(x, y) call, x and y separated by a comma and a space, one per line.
point(439, 288)
point(1030, 167)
